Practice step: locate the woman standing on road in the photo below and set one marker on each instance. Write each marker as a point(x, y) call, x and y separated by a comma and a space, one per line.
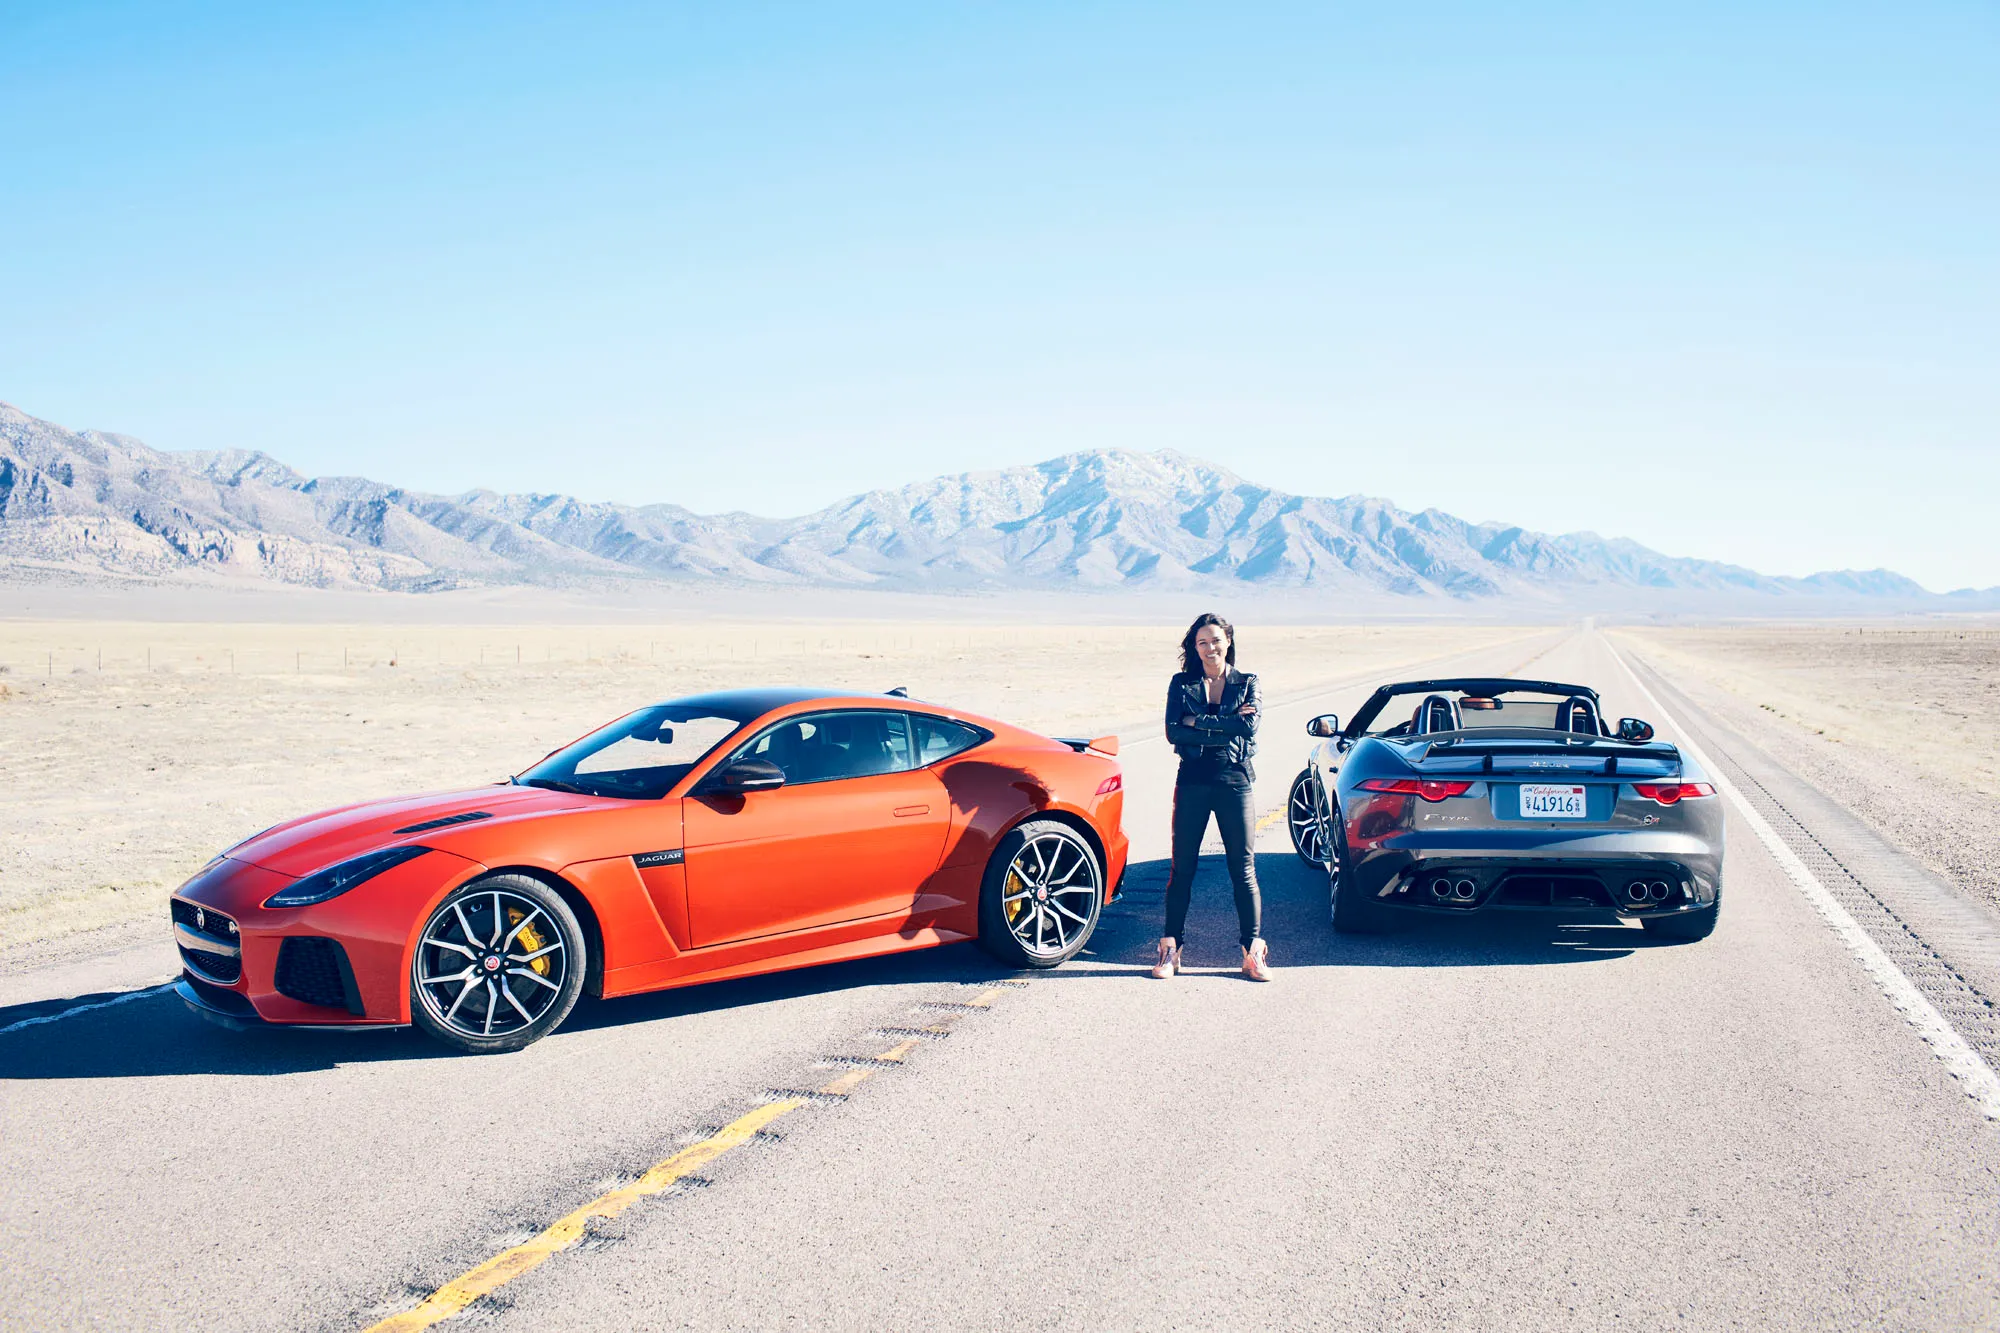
point(1212, 711)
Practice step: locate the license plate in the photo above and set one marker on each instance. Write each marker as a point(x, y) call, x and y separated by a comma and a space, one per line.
point(1540, 800)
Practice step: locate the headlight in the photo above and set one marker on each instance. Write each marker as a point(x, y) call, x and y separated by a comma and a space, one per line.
point(338, 878)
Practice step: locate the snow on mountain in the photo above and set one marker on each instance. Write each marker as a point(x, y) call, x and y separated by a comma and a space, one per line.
point(1104, 519)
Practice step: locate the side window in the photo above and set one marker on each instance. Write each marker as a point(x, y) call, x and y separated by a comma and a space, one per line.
point(939, 739)
point(825, 747)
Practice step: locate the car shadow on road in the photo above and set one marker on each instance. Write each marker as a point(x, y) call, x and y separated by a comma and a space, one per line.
point(154, 1036)
point(1300, 935)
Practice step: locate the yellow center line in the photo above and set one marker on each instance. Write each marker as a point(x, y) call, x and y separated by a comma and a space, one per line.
point(509, 1264)
point(846, 1083)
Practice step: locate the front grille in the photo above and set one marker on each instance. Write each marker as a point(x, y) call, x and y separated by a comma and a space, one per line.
point(207, 940)
point(314, 970)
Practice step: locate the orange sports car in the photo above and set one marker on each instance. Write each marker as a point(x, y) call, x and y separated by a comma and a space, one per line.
point(721, 835)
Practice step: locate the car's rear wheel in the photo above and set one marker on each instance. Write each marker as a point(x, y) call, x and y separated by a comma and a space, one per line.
point(1303, 819)
point(499, 965)
point(1696, 925)
point(1043, 889)
point(1352, 913)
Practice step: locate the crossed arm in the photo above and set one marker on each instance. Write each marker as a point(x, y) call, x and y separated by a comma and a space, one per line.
point(1206, 729)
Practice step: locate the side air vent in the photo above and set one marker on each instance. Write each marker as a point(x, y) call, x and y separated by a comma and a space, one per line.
point(469, 817)
point(314, 970)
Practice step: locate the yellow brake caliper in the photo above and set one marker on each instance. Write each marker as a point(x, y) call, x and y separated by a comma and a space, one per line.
point(529, 941)
point(1014, 886)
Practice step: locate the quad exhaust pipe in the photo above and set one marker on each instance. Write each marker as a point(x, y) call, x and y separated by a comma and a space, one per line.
point(1642, 891)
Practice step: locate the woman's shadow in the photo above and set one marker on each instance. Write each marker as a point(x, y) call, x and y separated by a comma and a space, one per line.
point(1296, 921)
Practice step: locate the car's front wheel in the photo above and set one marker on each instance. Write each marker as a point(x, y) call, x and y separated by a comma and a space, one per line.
point(1043, 889)
point(1302, 817)
point(499, 965)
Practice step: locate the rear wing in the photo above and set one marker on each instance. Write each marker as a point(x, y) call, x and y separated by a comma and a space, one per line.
point(1101, 744)
point(1661, 754)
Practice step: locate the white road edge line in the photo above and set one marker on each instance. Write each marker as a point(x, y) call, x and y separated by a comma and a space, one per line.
point(86, 1008)
point(1974, 1075)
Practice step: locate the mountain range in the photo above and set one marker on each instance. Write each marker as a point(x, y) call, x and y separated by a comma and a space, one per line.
point(1099, 520)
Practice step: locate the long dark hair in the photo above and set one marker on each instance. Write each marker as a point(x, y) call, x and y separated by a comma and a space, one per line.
point(1190, 662)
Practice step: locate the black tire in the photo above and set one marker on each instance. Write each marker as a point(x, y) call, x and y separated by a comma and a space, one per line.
point(530, 924)
point(1041, 896)
point(1352, 914)
point(1302, 821)
point(1695, 925)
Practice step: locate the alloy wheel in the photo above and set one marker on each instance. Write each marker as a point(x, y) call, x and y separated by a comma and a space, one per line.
point(1049, 896)
point(1303, 814)
point(490, 963)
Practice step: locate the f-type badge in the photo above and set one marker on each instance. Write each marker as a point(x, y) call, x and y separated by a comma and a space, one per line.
point(671, 858)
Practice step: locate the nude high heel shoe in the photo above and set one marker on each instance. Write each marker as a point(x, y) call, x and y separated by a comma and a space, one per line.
point(1170, 958)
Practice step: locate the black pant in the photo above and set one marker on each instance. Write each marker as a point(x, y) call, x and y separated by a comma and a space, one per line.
point(1194, 802)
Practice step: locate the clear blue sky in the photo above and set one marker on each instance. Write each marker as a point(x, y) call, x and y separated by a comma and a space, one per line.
point(1725, 279)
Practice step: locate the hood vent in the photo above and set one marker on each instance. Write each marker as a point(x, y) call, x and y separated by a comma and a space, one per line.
point(469, 817)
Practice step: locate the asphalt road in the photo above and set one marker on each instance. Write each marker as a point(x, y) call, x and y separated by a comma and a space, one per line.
point(1521, 1122)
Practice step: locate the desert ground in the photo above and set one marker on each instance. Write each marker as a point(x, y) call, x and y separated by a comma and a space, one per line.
point(1900, 724)
point(135, 749)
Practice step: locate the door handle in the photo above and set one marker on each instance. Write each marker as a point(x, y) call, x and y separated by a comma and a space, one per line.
point(905, 811)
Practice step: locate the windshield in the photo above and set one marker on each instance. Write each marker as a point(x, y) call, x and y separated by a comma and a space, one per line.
point(1475, 712)
point(1508, 710)
point(639, 757)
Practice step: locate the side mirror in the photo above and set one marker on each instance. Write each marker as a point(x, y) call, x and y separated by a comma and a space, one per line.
point(748, 775)
point(1326, 724)
point(1633, 730)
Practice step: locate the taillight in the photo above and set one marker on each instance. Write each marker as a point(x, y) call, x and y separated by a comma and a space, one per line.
point(1116, 782)
point(1667, 793)
point(1429, 789)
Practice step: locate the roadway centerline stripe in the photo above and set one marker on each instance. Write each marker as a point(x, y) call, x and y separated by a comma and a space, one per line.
point(455, 1295)
point(509, 1264)
point(86, 1008)
point(1974, 1074)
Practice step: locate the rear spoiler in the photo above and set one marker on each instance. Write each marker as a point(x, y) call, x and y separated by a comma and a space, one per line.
point(1657, 754)
point(1101, 744)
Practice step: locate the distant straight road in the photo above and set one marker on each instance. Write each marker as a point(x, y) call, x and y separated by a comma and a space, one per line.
point(1508, 1123)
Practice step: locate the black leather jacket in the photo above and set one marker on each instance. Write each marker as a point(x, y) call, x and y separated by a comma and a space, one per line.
point(1227, 734)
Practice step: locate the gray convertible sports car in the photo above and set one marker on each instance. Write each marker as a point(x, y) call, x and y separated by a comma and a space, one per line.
point(1489, 794)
